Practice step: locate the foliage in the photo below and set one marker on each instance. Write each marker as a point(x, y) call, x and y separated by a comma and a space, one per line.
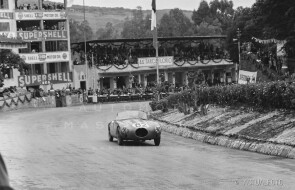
point(159, 105)
point(137, 26)
point(272, 95)
point(175, 24)
point(109, 32)
point(78, 31)
point(8, 59)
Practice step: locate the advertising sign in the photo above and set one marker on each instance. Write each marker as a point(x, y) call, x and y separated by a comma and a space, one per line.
point(6, 15)
point(32, 58)
point(46, 34)
point(8, 34)
point(40, 15)
point(44, 79)
point(151, 61)
point(246, 77)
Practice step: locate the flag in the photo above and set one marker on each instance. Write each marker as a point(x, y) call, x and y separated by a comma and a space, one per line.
point(154, 23)
point(70, 3)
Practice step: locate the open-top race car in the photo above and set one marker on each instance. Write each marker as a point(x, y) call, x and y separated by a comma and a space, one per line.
point(134, 125)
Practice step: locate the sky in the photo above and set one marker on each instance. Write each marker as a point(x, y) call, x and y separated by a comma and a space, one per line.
point(161, 4)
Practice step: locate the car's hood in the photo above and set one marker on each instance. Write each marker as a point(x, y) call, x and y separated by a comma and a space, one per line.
point(137, 123)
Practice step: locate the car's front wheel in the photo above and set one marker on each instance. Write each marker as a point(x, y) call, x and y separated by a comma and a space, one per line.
point(119, 138)
point(110, 137)
point(157, 141)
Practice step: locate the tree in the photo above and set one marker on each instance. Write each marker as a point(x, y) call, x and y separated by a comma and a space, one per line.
point(137, 26)
point(202, 14)
point(10, 60)
point(175, 24)
point(109, 32)
point(77, 31)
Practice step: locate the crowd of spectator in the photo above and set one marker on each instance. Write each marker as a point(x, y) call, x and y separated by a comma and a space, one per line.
point(45, 6)
point(123, 54)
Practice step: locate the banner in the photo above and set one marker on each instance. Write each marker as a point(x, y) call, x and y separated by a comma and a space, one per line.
point(246, 77)
point(46, 34)
point(6, 15)
point(33, 58)
point(8, 34)
point(44, 79)
point(151, 61)
point(40, 15)
point(268, 41)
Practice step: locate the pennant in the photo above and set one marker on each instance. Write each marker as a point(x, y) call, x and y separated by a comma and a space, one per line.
point(154, 24)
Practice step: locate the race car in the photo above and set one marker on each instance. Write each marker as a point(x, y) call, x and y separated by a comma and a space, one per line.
point(134, 125)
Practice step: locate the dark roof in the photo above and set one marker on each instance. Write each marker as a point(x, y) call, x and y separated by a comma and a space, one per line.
point(159, 39)
point(4, 39)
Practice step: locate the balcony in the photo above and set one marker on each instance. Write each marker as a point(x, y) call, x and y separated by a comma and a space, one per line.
point(37, 5)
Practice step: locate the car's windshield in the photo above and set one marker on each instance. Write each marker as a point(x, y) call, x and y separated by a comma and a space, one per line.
point(131, 115)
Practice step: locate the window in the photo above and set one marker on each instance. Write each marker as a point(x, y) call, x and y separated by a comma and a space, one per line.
point(37, 69)
point(64, 67)
point(28, 25)
point(52, 46)
point(58, 67)
point(54, 25)
point(4, 26)
point(51, 68)
point(4, 4)
point(33, 47)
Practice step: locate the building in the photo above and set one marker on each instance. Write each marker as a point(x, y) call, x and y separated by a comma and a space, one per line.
point(45, 28)
point(128, 63)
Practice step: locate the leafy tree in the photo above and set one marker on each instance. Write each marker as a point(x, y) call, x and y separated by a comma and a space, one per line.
point(109, 32)
point(202, 14)
point(77, 31)
point(175, 24)
point(10, 60)
point(137, 26)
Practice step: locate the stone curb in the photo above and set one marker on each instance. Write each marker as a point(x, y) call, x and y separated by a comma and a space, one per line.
point(268, 148)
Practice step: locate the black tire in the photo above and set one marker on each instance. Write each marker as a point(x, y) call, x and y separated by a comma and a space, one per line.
point(110, 137)
point(119, 138)
point(157, 141)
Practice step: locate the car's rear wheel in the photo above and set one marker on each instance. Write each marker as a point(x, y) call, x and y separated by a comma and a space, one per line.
point(119, 138)
point(110, 137)
point(157, 141)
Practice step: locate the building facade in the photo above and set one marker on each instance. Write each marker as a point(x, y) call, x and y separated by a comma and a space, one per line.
point(45, 28)
point(127, 63)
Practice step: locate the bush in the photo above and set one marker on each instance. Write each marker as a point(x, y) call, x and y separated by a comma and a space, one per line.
point(159, 105)
point(278, 95)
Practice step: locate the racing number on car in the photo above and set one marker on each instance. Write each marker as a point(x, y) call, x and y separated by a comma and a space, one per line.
point(140, 125)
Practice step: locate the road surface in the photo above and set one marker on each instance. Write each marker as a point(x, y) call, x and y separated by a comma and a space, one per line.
point(67, 148)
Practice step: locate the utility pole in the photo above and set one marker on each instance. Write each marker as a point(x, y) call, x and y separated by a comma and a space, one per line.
point(239, 34)
point(85, 49)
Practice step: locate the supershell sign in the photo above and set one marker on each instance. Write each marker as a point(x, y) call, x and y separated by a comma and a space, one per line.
point(45, 57)
point(46, 34)
point(45, 79)
point(6, 15)
point(40, 15)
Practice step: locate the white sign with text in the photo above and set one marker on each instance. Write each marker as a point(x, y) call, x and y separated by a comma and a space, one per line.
point(152, 61)
point(32, 58)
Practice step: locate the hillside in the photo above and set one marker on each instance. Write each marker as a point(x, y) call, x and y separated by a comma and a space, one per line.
point(99, 16)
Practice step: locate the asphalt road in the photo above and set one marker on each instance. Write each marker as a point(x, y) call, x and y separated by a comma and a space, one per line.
point(67, 148)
